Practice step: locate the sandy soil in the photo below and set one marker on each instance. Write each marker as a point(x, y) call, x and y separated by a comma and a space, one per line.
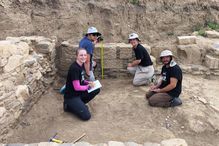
point(120, 112)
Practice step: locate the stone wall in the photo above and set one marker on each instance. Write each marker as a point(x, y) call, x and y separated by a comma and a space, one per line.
point(27, 68)
point(168, 142)
point(195, 54)
point(116, 56)
point(199, 55)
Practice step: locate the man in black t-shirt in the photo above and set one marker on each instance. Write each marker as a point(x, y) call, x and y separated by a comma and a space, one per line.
point(166, 92)
point(142, 66)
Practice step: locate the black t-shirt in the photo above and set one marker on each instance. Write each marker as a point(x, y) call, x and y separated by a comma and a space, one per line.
point(141, 53)
point(174, 72)
point(75, 72)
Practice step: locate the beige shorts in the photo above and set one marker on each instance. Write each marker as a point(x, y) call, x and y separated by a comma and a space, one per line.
point(142, 75)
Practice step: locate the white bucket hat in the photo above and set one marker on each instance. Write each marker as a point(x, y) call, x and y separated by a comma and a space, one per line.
point(133, 36)
point(166, 53)
point(93, 30)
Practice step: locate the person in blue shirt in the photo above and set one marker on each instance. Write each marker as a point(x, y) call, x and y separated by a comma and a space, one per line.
point(88, 42)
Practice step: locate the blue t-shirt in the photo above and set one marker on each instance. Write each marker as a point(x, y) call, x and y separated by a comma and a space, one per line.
point(89, 46)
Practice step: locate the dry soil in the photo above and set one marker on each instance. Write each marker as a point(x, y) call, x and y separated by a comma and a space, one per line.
point(120, 112)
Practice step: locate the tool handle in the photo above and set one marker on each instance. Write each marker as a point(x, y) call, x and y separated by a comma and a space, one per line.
point(76, 140)
point(57, 140)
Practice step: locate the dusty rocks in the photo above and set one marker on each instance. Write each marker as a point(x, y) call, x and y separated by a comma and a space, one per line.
point(169, 142)
point(174, 142)
point(212, 34)
point(212, 62)
point(198, 55)
point(190, 54)
point(186, 40)
point(22, 93)
point(27, 69)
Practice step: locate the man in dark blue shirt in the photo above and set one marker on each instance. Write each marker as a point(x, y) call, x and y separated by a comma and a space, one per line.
point(88, 42)
point(166, 92)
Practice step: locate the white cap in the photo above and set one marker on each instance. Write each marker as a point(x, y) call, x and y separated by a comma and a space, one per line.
point(133, 36)
point(92, 30)
point(166, 53)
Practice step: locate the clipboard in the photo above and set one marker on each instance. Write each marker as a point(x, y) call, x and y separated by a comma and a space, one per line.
point(97, 85)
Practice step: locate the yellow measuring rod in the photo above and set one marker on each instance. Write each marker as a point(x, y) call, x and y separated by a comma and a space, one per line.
point(101, 58)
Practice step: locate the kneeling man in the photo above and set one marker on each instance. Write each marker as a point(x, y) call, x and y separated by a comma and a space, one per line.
point(166, 92)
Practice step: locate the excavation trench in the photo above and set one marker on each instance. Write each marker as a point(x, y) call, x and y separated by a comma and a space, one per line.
point(32, 112)
point(121, 113)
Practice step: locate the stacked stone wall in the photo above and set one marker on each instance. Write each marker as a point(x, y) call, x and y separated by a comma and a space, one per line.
point(195, 54)
point(116, 57)
point(199, 55)
point(27, 69)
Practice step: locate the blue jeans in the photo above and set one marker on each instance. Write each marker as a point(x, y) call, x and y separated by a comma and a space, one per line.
point(76, 105)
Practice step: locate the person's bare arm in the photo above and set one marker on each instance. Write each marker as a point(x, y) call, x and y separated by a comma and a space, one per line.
point(87, 65)
point(157, 85)
point(172, 85)
point(134, 63)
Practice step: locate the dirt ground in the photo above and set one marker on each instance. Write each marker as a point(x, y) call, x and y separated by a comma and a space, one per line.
point(121, 113)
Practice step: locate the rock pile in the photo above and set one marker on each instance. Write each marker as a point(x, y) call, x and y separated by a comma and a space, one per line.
point(27, 68)
point(199, 55)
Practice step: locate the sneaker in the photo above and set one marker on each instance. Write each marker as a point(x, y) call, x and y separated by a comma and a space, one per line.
point(87, 107)
point(62, 90)
point(175, 102)
point(153, 79)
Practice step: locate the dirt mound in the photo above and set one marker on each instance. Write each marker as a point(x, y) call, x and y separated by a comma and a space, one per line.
point(124, 115)
point(153, 20)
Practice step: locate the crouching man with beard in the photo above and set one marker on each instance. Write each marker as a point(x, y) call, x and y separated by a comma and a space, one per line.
point(166, 92)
